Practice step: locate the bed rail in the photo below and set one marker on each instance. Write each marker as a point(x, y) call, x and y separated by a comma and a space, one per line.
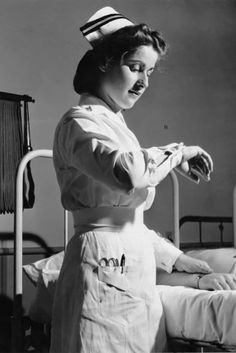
point(206, 219)
point(175, 203)
point(234, 215)
point(17, 329)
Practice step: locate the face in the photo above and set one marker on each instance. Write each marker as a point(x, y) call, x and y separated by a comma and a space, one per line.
point(123, 84)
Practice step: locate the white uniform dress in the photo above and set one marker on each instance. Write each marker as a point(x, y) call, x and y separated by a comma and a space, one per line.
point(107, 180)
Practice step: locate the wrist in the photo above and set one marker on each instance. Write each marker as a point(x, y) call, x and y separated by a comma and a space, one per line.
point(197, 280)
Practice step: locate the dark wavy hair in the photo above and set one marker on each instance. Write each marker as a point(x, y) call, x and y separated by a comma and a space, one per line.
point(111, 49)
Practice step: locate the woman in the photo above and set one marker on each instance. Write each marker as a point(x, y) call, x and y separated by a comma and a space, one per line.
point(106, 299)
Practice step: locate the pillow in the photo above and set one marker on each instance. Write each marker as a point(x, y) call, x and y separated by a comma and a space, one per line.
point(220, 260)
point(48, 265)
point(44, 274)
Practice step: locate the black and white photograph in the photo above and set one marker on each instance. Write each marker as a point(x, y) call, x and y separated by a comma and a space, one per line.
point(117, 176)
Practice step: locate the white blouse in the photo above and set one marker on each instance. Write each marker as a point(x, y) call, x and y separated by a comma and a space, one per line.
point(99, 163)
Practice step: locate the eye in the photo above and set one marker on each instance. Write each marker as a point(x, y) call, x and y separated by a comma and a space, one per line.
point(135, 67)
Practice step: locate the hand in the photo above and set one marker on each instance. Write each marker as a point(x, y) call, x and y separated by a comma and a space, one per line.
point(195, 155)
point(196, 163)
point(190, 152)
point(218, 281)
point(185, 263)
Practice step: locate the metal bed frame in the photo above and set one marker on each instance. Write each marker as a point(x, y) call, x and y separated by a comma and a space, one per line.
point(200, 220)
point(17, 324)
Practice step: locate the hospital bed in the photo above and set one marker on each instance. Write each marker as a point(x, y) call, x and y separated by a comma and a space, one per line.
point(196, 320)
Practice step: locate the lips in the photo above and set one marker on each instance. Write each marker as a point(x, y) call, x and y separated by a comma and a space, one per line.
point(137, 93)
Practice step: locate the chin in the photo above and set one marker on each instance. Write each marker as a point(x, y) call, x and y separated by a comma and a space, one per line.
point(128, 105)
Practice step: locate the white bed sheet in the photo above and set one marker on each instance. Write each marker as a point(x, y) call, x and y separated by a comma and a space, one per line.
point(190, 313)
point(199, 314)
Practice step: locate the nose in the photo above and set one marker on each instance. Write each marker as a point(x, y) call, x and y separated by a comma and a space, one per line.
point(145, 80)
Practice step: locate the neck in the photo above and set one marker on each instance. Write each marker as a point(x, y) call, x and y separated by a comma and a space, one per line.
point(108, 100)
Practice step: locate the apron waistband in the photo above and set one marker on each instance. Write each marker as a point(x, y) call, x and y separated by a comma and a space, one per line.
point(107, 216)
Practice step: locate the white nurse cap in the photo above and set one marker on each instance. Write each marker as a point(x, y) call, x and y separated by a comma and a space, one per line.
point(104, 21)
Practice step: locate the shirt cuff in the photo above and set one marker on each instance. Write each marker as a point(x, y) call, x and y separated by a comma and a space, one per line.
point(166, 253)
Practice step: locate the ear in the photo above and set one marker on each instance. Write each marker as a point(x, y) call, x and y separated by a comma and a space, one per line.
point(105, 65)
point(102, 68)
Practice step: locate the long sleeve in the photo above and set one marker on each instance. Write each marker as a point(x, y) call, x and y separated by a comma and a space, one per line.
point(149, 167)
point(95, 150)
point(165, 252)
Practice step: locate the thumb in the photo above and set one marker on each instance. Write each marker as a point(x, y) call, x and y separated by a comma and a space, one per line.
point(233, 269)
point(205, 268)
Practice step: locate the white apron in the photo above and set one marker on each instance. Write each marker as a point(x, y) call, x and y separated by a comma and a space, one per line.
point(111, 309)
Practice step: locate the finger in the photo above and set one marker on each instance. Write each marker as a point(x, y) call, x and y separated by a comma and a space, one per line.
point(217, 285)
point(225, 285)
point(203, 165)
point(224, 280)
point(232, 284)
point(233, 269)
point(185, 167)
point(209, 159)
point(200, 172)
point(206, 164)
point(193, 176)
point(205, 268)
point(199, 165)
point(201, 162)
point(201, 267)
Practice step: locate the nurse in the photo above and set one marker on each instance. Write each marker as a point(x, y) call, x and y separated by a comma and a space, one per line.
point(106, 299)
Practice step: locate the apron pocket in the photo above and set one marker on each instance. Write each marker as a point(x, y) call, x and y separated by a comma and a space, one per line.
point(114, 276)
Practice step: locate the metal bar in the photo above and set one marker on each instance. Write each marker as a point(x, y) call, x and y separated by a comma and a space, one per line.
point(206, 219)
point(32, 251)
point(200, 232)
point(221, 229)
point(65, 228)
point(234, 214)
point(18, 230)
point(208, 245)
point(175, 198)
point(18, 224)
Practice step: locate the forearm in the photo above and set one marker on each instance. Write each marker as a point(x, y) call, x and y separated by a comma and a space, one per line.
point(177, 279)
point(145, 167)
